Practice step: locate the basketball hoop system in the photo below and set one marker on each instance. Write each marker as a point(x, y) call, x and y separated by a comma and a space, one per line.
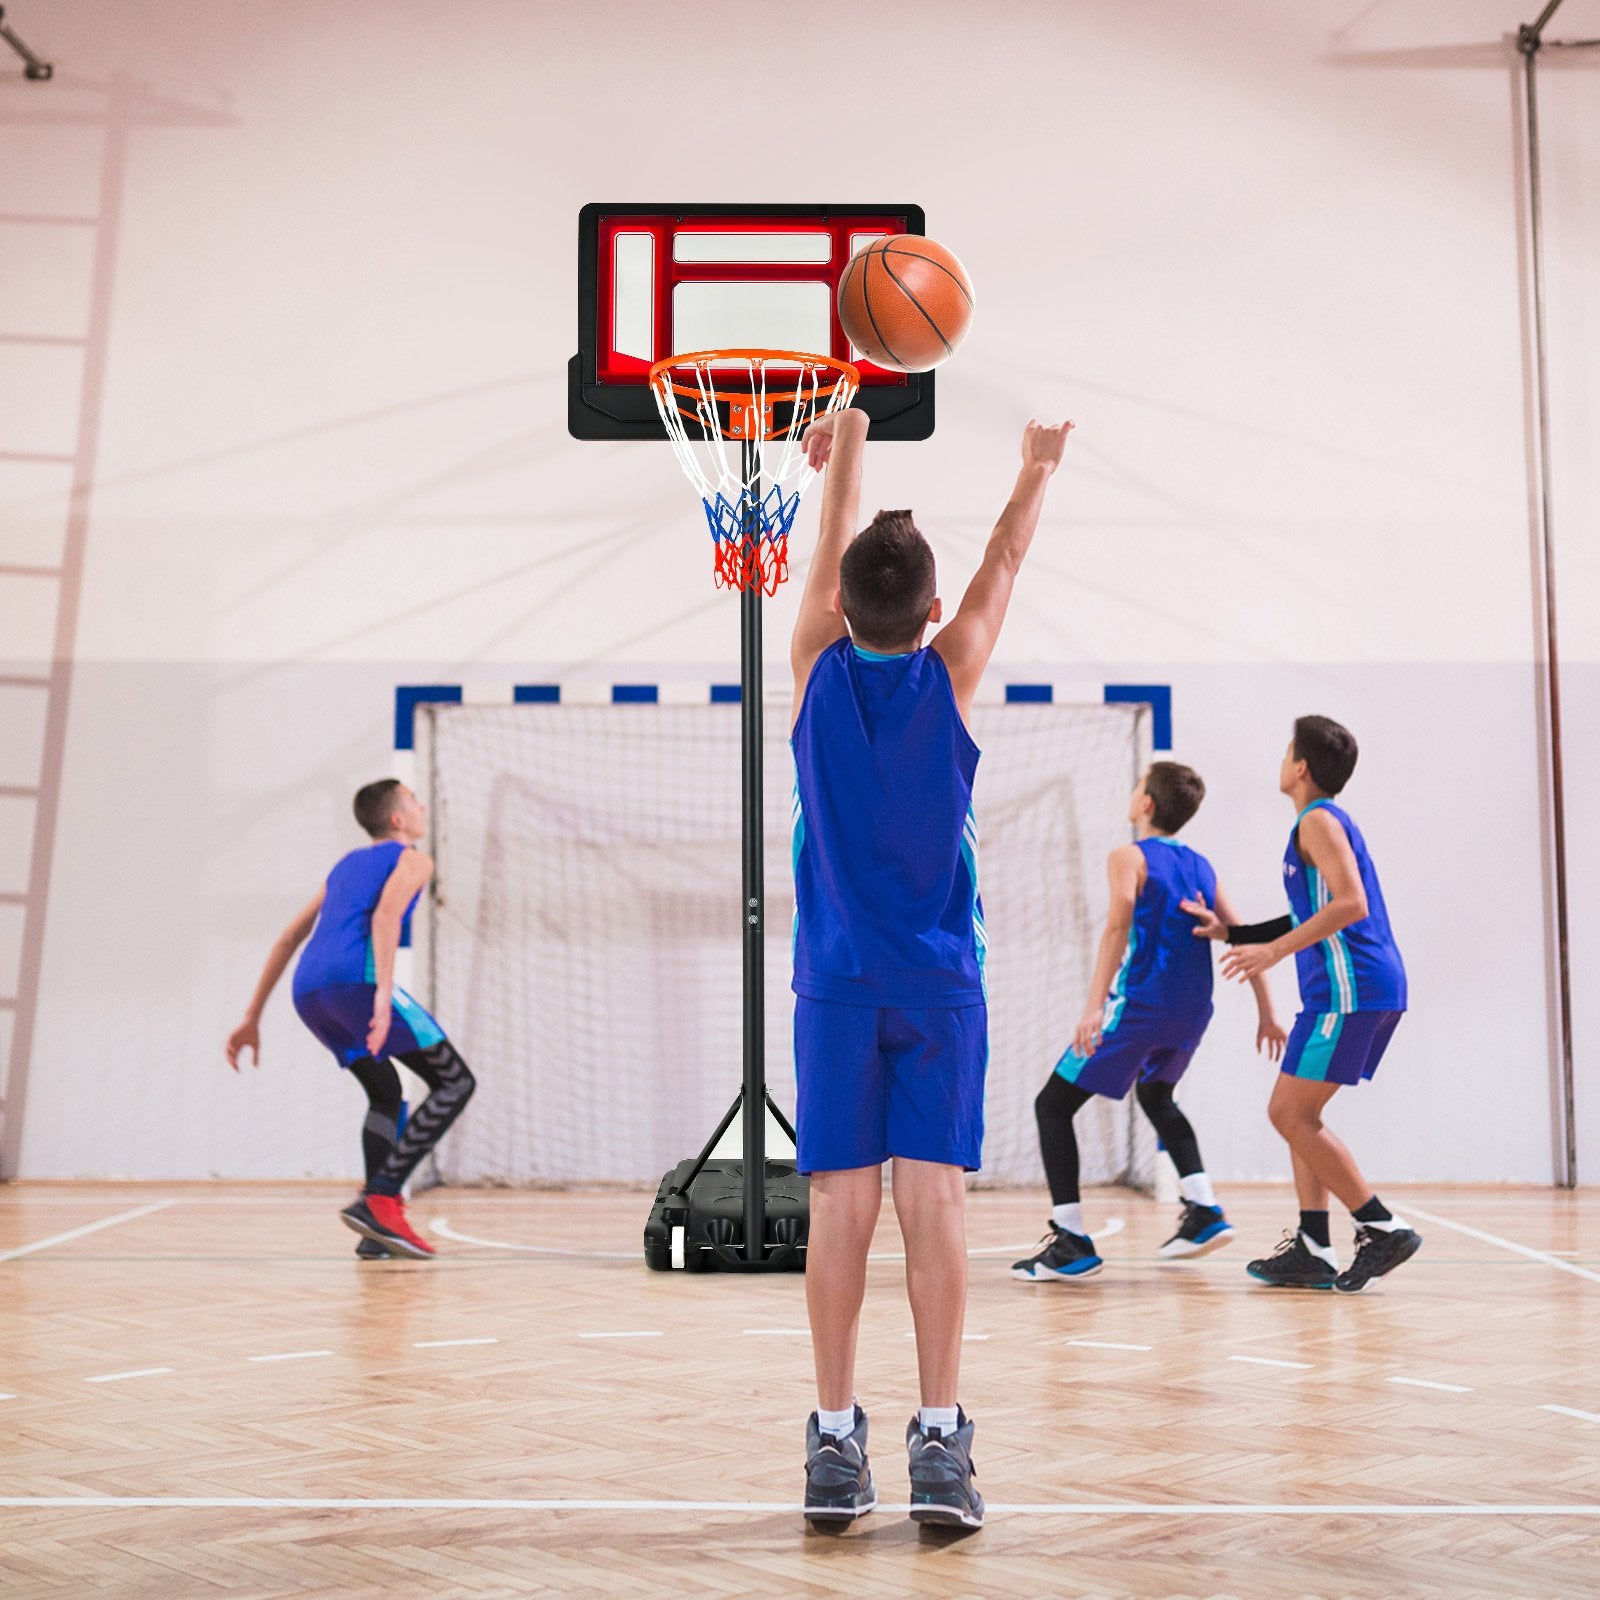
point(735, 419)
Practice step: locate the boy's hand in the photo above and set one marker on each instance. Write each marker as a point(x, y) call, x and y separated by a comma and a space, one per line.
point(1271, 1037)
point(247, 1036)
point(1086, 1036)
point(379, 1030)
point(1247, 961)
point(1042, 445)
point(817, 442)
point(1208, 925)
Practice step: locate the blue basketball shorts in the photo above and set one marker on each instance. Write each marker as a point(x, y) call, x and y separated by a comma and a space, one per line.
point(1142, 1047)
point(340, 1016)
point(1338, 1047)
point(875, 1083)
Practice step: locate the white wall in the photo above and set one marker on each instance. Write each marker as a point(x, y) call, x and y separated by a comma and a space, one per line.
point(1266, 255)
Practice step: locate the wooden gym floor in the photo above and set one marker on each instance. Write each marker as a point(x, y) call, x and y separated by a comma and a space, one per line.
point(205, 1394)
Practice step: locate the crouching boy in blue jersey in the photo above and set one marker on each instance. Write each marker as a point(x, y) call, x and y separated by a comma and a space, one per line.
point(345, 993)
point(1148, 1006)
point(1352, 996)
point(890, 1027)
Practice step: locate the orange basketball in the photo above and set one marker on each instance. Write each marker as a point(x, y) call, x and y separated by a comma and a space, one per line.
point(905, 302)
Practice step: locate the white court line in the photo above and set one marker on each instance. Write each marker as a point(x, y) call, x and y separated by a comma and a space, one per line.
point(1508, 1244)
point(291, 1355)
point(441, 1226)
point(1101, 1344)
point(7, 1397)
point(88, 1227)
point(445, 1344)
point(1267, 1361)
point(643, 1333)
point(1102, 1508)
point(1424, 1383)
point(1567, 1411)
point(138, 1372)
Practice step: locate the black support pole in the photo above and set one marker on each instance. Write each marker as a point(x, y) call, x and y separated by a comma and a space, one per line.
point(754, 843)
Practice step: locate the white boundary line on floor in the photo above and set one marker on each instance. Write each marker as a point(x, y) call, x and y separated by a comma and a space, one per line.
point(1128, 1508)
point(88, 1227)
point(1506, 1244)
point(1568, 1411)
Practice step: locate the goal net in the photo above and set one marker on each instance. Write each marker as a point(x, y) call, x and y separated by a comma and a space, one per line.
point(583, 947)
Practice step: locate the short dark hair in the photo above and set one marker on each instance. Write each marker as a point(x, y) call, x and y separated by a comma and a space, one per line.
point(1176, 791)
point(886, 580)
point(1328, 750)
point(374, 804)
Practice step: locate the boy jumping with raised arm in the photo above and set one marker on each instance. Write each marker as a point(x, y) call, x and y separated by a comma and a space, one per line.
point(891, 1036)
point(1148, 1006)
point(345, 992)
point(1352, 996)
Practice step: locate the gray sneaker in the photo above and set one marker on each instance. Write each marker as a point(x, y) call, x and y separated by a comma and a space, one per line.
point(838, 1479)
point(942, 1490)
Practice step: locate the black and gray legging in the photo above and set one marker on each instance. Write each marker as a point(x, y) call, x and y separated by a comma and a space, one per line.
point(392, 1155)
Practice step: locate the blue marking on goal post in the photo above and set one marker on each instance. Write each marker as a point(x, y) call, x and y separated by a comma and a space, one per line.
point(1158, 696)
point(537, 694)
point(635, 694)
point(407, 697)
point(726, 694)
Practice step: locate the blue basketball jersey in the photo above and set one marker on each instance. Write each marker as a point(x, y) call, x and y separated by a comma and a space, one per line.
point(1165, 968)
point(887, 911)
point(1359, 968)
point(339, 950)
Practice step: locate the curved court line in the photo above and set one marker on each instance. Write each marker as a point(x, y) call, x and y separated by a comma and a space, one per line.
point(1507, 1244)
point(1112, 1508)
point(441, 1226)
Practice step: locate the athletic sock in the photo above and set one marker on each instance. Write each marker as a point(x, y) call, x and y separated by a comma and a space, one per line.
point(1375, 1214)
point(942, 1418)
point(1069, 1218)
point(838, 1423)
point(1323, 1252)
point(1314, 1225)
point(1197, 1190)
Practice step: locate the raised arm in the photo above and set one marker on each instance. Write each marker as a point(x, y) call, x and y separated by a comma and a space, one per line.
point(968, 640)
point(1322, 843)
point(247, 1036)
point(1125, 872)
point(834, 443)
point(411, 871)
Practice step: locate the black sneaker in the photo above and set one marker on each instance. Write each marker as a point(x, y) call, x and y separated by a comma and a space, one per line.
point(371, 1250)
point(1201, 1229)
point(942, 1490)
point(1378, 1250)
point(1063, 1255)
point(1293, 1266)
point(838, 1479)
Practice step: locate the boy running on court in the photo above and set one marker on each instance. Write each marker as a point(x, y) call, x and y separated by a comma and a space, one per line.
point(345, 993)
point(891, 1040)
point(1149, 1003)
point(1352, 996)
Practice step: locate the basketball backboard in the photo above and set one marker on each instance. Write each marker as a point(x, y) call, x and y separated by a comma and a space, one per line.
point(659, 280)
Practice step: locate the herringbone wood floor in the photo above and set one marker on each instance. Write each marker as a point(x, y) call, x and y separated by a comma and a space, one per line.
point(704, 1398)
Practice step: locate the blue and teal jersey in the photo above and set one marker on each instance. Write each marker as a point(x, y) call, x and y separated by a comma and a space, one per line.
point(887, 910)
point(1165, 968)
point(1359, 968)
point(339, 950)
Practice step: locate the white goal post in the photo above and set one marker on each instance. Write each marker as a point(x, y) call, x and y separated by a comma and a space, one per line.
point(581, 943)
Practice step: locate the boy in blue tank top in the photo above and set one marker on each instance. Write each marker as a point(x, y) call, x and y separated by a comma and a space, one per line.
point(891, 1038)
point(1352, 996)
point(345, 993)
point(1148, 1006)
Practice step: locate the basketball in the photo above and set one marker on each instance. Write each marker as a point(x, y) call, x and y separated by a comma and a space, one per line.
point(905, 303)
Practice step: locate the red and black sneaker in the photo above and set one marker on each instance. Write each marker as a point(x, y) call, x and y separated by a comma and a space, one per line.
point(383, 1217)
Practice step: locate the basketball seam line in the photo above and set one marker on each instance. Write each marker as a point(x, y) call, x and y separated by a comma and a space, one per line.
point(915, 256)
point(866, 300)
point(949, 349)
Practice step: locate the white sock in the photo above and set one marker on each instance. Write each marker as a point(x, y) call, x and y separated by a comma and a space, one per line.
point(942, 1418)
point(1388, 1225)
point(1197, 1190)
point(1323, 1252)
point(838, 1423)
point(1069, 1217)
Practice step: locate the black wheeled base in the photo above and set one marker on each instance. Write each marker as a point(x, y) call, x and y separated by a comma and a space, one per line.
point(698, 1221)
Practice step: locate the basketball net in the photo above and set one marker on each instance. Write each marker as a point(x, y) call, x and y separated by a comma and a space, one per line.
point(736, 419)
